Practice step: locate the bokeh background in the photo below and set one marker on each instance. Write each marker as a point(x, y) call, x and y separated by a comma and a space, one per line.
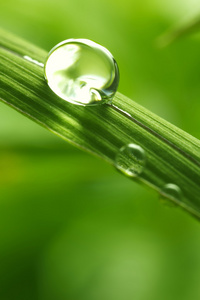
point(71, 227)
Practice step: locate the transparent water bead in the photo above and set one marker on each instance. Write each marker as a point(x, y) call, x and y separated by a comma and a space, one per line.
point(169, 193)
point(131, 160)
point(82, 72)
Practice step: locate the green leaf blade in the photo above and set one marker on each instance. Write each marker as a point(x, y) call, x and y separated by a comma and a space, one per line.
point(173, 156)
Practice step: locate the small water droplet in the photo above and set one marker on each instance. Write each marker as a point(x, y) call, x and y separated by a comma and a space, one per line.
point(169, 193)
point(131, 160)
point(82, 72)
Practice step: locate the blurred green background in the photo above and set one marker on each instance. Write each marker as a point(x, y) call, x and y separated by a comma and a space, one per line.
point(71, 227)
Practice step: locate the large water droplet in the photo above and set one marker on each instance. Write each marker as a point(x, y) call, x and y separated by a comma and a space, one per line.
point(131, 160)
point(171, 192)
point(82, 72)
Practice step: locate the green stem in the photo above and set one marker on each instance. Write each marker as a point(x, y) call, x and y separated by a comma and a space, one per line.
point(178, 32)
point(172, 155)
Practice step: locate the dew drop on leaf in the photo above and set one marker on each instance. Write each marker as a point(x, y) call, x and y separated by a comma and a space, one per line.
point(131, 160)
point(169, 193)
point(82, 72)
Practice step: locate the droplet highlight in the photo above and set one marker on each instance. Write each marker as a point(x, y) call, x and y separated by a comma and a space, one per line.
point(170, 194)
point(131, 160)
point(82, 72)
